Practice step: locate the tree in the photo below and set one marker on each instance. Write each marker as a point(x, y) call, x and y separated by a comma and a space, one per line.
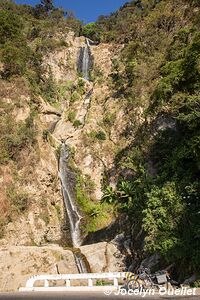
point(44, 8)
point(48, 5)
point(10, 26)
point(90, 30)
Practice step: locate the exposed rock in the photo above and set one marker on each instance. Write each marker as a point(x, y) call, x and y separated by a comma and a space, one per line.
point(43, 221)
point(22, 112)
point(151, 261)
point(63, 267)
point(163, 122)
point(103, 257)
point(18, 263)
point(190, 280)
point(119, 239)
point(62, 62)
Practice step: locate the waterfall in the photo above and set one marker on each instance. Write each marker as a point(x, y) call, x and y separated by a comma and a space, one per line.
point(69, 197)
point(72, 211)
point(86, 61)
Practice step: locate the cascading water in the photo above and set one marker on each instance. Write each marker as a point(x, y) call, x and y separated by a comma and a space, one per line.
point(64, 172)
point(73, 214)
point(86, 61)
point(72, 211)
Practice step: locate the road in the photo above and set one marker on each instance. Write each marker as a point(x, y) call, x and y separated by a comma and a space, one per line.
point(84, 296)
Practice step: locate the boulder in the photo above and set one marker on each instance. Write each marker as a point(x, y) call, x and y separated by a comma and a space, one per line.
point(103, 257)
point(151, 261)
point(18, 263)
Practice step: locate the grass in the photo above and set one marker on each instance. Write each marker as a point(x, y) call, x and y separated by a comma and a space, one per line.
point(77, 123)
point(58, 210)
point(97, 135)
point(97, 215)
point(71, 116)
point(19, 199)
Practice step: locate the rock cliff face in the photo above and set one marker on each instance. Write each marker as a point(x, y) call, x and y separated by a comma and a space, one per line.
point(24, 248)
point(18, 263)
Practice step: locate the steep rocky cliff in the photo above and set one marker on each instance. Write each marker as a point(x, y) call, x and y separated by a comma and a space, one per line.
point(126, 108)
point(81, 115)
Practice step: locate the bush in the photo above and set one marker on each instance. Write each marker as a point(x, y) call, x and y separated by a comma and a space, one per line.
point(97, 215)
point(15, 59)
point(100, 135)
point(19, 200)
point(71, 116)
point(90, 31)
point(80, 87)
point(10, 26)
point(15, 137)
point(49, 89)
point(109, 119)
point(77, 123)
point(74, 97)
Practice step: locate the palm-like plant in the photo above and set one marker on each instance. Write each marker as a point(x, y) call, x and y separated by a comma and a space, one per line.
point(125, 190)
point(109, 195)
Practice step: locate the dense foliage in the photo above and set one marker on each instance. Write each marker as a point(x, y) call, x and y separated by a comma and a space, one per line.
point(26, 33)
point(157, 80)
point(159, 71)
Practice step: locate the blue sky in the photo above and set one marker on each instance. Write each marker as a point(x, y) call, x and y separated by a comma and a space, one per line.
point(85, 10)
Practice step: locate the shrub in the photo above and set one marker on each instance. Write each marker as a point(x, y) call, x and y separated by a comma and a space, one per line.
point(100, 135)
point(97, 215)
point(77, 123)
point(19, 199)
point(109, 119)
point(80, 87)
point(15, 59)
point(45, 135)
point(74, 97)
point(71, 116)
point(89, 30)
point(49, 89)
point(15, 137)
point(10, 26)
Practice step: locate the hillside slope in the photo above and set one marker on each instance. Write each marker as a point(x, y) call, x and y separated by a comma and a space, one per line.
point(157, 76)
point(132, 130)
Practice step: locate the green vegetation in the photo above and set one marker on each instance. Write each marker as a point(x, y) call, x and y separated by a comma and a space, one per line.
point(71, 116)
point(98, 135)
point(161, 193)
point(74, 97)
point(109, 119)
point(26, 34)
point(156, 79)
point(103, 283)
point(80, 86)
point(58, 210)
point(90, 31)
point(19, 200)
point(96, 215)
point(77, 123)
point(15, 137)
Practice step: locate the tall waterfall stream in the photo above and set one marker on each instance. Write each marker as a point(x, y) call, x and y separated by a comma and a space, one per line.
point(86, 61)
point(68, 197)
point(71, 208)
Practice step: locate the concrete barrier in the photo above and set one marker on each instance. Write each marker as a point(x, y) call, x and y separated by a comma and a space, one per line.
point(68, 278)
